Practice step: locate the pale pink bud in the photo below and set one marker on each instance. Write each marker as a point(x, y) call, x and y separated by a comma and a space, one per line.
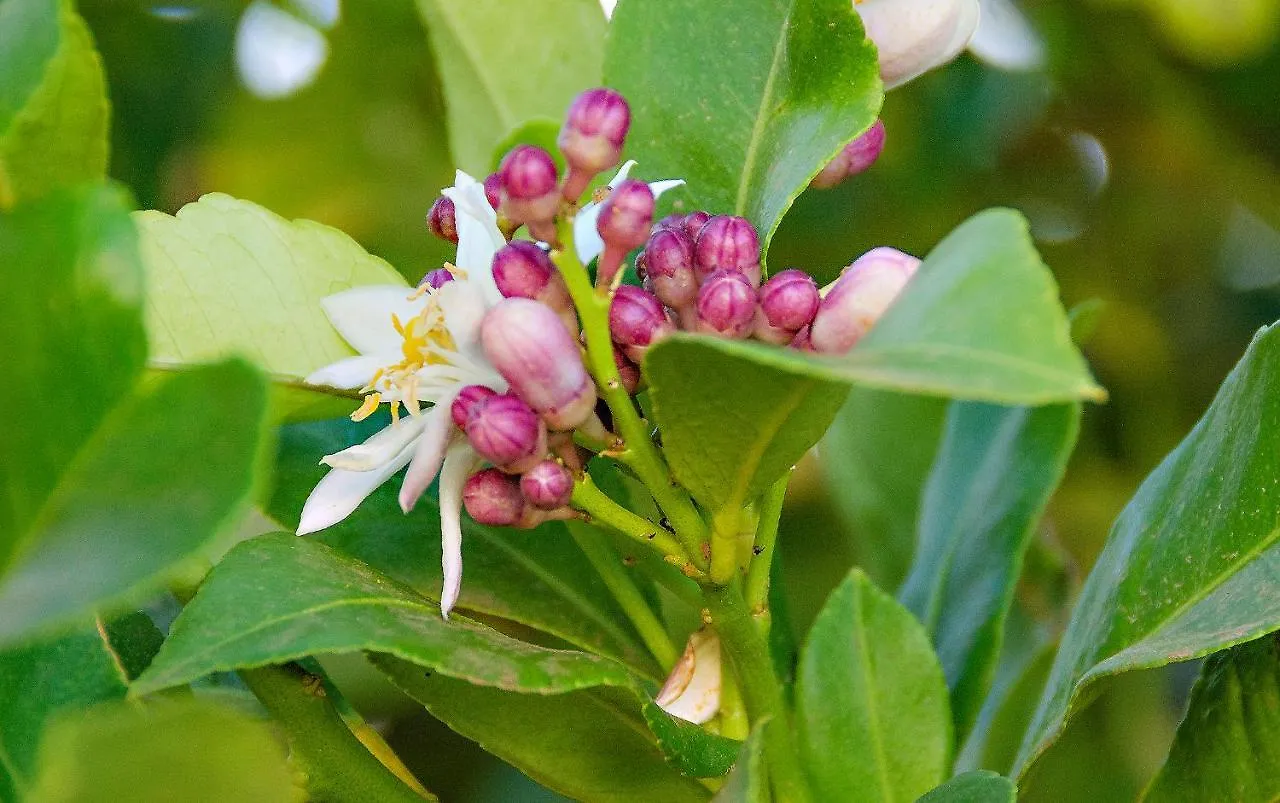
point(856, 300)
point(547, 485)
point(726, 304)
point(493, 498)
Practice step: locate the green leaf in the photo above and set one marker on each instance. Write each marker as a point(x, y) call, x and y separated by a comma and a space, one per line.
point(278, 598)
point(541, 132)
point(688, 747)
point(53, 101)
point(187, 750)
point(978, 786)
point(226, 276)
point(871, 701)
point(537, 577)
point(749, 781)
point(503, 63)
point(1189, 566)
point(992, 478)
point(1228, 745)
point(590, 745)
point(747, 107)
point(739, 427)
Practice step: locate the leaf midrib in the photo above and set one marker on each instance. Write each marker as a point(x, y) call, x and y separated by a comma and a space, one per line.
point(873, 719)
point(757, 128)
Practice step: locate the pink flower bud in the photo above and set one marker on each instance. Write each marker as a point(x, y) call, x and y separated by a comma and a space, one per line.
point(788, 302)
point(728, 243)
point(493, 190)
point(529, 190)
point(548, 485)
point(522, 270)
point(531, 348)
point(669, 267)
point(591, 139)
point(628, 372)
point(726, 304)
point(442, 220)
point(694, 222)
point(493, 498)
point(855, 158)
point(856, 300)
point(625, 219)
point(506, 432)
point(636, 318)
point(436, 279)
point(465, 400)
point(670, 222)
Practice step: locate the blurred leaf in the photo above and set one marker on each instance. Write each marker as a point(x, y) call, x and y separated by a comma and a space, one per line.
point(1014, 711)
point(1228, 745)
point(871, 701)
point(535, 577)
point(278, 598)
point(53, 101)
point(1189, 566)
point(749, 780)
point(541, 132)
point(993, 476)
point(688, 747)
point(226, 276)
point(503, 63)
point(746, 106)
point(741, 426)
point(1084, 319)
point(876, 457)
point(978, 786)
point(186, 750)
point(589, 745)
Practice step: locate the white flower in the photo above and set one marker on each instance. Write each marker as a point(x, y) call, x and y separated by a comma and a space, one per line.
point(692, 690)
point(419, 347)
point(914, 36)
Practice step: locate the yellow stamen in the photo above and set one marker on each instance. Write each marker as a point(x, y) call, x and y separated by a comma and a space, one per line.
point(370, 404)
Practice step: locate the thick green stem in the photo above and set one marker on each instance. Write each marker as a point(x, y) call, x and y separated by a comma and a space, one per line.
point(734, 721)
point(757, 586)
point(746, 649)
point(607, 564)
point(588, 498)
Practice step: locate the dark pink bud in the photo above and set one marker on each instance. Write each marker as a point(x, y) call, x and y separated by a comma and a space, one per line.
point(855, 158)
point(728, 242)
point(493, 190)
point(591, 139)
point(626, 217)
point(789, 300)
point(442, 221)
point(436, 279)
point(493, 498)
point(528, 344)
point(548, 485)
point(670, 222)
point(636, 317)
point(465, 400)
point(628, 371)
point(855, 301)
point(642, 265)
point(726, 304)
point(529, 189)
point(506, 432)
point(522, 270)
point(693, 223)
point(669, 267)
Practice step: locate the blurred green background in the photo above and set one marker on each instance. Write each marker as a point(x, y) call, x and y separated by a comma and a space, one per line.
point(1145, 151)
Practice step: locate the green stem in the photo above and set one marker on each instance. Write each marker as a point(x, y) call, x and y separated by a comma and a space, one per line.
point(734, 722)
point(749, 655)
point(607, 564)
point(757, 586)
point(639, 454)
point(725, 527)
point(588, 498)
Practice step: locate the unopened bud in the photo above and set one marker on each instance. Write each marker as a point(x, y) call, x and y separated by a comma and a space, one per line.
point(548, 485)
point(693, 223)
point(628, 372)
point(728, 242)
point(523, 270)
point(726, 304)
point(442, 221)
point(435, 279)
point(527, 343)
point(493, 498)
point(493, 190)
point(465, 400)
point(788, 302)
point(856, 300)
point(591, 139)
point(669, 267)
point(529, 192)
point(625, 220)
point(506, 432)
point(637, 320)
point(670, 222)
point(855, 158)
point(912, 36)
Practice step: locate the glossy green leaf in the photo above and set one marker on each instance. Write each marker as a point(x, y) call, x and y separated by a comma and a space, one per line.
point(535, 577)
point(53, 101)
point(226, 276)
point(503, 63)
point(590, 745)
point(993, 476)
point(739, 427)
point(688, 747)
point(1190, 564)
point(871, 701)
point(1228, 745)
point(746, 106)
point(278, 598)
point(749, 780)
point(978, 786)
point(187, 750)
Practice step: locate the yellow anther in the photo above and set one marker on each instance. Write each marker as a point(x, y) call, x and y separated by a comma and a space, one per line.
point(370, 404)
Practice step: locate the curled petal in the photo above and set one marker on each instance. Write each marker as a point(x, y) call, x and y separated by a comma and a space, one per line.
point(460, 461)
point(341, 492)
point(692, 690)
point(353, 372)
point(382, 446)
point(429, 452)
point(362, 315)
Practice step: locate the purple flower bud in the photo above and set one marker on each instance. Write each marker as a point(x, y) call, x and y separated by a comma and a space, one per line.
point(726, 304)
point(493, 498)
point(531, 348)
point(529, 189)
point(693, 223)
point(728, 242)
point(436, 279)
point(789, 300)
point(442, 220)
point(624, 223)
point(669, 267)
point(856, 300)
point(506, 432)
point(493, 190)
point(465, 400)
point(636, 318)
point(642, 265)
point(548, 485)
point(853, 159)
point(670, 222)
point(522, 270)
point(628, 372)
point(591, 139)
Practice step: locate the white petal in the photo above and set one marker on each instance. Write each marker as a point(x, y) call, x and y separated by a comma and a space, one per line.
point(353, 372)
point(362, 315)
point(458, 465)
point(437, 428)
point(380, 447)
point(1005, 39)
point(478, 235)
point(341, 492)
point(692, 690)
point(586, 240)
point(914, 36)
point(464, 307)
